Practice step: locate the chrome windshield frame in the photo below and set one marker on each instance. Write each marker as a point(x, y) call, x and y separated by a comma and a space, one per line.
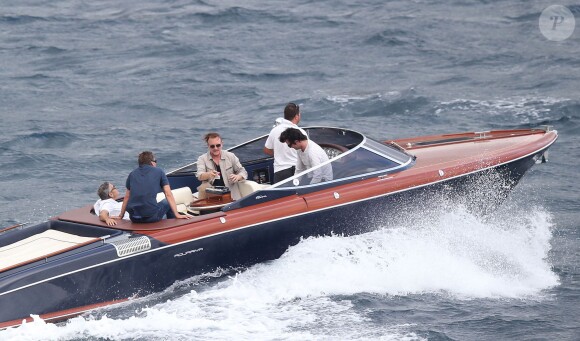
point(361, 145)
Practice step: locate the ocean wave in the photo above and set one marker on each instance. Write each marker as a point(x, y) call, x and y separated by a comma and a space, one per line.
point(20, 19)
point(238, 15)
point(381, 104)
point(275, 75)
point(528, 110)
point(48, 49)
point(534, 16)
point(394, 37)
point(452, 252)
point(492, 59)
point(451, 80)
point(43, 140)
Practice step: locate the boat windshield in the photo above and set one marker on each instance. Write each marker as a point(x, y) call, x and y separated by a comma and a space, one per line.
point(352, 157)
point(367, 159)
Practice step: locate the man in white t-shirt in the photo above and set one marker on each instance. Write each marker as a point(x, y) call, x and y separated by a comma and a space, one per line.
point(107, 207)
point(310, 155)
point(284, 158)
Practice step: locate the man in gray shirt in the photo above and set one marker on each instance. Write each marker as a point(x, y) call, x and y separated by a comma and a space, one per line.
point(310, 155)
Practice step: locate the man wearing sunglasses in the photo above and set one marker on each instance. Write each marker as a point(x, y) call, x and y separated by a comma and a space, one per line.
point(219, 167)
point(284, 158)
point(107, 207)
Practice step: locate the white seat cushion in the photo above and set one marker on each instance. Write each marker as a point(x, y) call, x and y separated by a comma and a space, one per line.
point(183, 197)
point(248, 187)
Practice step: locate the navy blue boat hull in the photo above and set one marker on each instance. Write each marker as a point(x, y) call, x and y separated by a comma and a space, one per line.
point(99, 276)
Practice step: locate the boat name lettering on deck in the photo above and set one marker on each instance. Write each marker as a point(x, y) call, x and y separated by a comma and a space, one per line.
point(188, 252)
point(258, 197)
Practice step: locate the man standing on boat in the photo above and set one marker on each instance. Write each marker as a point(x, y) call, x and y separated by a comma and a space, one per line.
point(284, 158)
point(142, 185)
point(310, 155)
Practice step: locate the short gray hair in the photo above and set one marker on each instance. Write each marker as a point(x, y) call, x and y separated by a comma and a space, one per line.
point(103, 191)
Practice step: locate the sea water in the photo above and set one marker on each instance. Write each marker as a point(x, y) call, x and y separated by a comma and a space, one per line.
point(85, 86)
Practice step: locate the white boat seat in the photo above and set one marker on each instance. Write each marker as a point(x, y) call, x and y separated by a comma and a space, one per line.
point(248, 187)
point(183, 197)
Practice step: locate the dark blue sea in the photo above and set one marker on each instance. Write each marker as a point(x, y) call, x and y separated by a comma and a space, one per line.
point(86, 85)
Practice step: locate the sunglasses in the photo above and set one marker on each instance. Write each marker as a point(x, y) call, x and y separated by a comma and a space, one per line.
point(215, 145)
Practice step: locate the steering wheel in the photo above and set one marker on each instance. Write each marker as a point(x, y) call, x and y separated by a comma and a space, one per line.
point(333, 150)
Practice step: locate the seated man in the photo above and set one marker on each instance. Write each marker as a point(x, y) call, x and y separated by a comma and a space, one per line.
point(219, 167)
point(107, 207)
point(310, 155)
point(142, 185)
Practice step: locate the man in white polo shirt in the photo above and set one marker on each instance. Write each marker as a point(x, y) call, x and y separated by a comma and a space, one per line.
point(284, 158)
point(107, 208)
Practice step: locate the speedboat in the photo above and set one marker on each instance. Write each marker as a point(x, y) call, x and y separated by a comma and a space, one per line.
point(74, 263)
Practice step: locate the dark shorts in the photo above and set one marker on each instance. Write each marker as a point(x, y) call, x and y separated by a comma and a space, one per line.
point(284, 174)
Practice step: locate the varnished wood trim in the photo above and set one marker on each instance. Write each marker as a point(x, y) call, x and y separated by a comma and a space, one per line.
point(61, 315)
point(10, 228)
